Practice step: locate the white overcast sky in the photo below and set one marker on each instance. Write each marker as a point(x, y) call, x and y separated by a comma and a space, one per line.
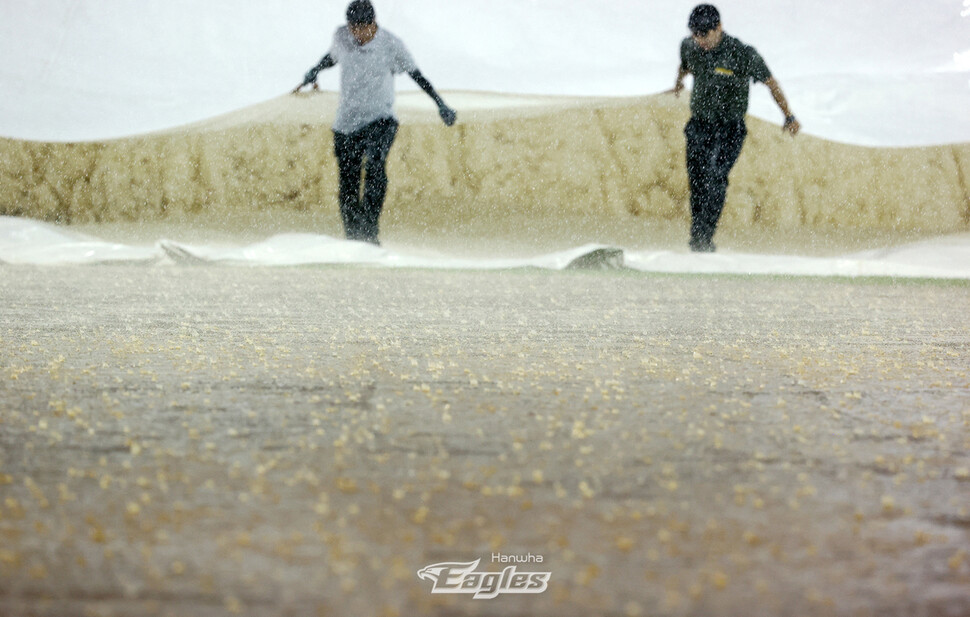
point(894, 72)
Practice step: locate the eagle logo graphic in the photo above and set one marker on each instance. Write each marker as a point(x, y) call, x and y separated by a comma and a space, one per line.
point(433, 572)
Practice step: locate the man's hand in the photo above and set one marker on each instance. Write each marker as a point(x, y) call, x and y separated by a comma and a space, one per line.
point(679, 82)
point(448, 115)
point(300, 87)
point(791, 124)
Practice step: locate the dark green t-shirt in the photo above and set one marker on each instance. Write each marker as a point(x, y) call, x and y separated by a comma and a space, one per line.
point(721, 78)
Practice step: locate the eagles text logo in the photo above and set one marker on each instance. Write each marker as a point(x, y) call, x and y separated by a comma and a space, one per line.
point(462, 578)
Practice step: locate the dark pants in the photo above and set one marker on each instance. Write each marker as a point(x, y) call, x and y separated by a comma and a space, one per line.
point(712, 150)
point(360, 214)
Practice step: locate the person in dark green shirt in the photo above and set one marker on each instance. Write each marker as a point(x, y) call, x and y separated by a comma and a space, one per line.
point(723, 68)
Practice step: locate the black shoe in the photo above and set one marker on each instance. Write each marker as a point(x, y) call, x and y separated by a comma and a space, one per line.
point(358, 237)
point(700, 246)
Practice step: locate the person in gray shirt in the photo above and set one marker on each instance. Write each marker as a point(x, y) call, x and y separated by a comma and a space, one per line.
point(369, 58)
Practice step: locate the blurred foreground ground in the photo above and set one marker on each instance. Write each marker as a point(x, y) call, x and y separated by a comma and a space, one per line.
point(218, 441)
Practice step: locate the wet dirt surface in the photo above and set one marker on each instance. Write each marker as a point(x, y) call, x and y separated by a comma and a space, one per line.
point(301, 441)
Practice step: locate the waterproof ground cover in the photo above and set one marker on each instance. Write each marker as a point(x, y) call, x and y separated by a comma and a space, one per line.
point(28, 242)
point(276, 441)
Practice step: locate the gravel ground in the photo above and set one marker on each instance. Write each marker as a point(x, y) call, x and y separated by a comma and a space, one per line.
point(217, 441)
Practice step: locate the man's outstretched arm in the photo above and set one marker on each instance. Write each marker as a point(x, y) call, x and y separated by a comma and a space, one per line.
point(311, 77)
point(448, 115)
point(679, 84)
point(791, 124)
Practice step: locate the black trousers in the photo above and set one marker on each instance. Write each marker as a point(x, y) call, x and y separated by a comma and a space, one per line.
point(361, 213)
point(712, 150)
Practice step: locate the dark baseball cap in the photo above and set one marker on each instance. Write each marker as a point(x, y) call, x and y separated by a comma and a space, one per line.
point(703, 19)
point(361, 13)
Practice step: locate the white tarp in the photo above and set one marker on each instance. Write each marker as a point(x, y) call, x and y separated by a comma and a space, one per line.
point(29, 242)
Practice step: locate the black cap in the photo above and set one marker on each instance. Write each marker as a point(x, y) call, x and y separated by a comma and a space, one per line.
point(361, 13)
point(703, 19)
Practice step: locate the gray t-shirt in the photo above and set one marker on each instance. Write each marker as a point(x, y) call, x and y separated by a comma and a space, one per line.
point(367, 77)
